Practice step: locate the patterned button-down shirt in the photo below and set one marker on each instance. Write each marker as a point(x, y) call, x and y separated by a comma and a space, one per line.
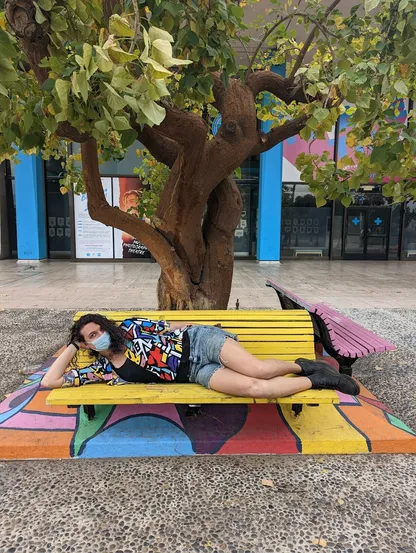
point(149, 344)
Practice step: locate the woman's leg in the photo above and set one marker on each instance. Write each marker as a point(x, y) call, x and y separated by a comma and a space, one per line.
point(235, 357)
point(231, 382)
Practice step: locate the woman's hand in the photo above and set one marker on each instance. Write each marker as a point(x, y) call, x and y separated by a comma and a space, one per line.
point(54, 378)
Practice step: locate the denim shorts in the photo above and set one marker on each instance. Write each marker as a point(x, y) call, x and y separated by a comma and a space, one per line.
point(205, 345)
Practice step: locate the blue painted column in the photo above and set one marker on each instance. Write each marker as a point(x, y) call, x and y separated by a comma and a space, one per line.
point(270, 195)
point(30, 208)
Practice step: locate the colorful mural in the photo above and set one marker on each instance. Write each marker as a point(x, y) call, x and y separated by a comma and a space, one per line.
point(294, 146)
point(345, 150)
point(30, 429)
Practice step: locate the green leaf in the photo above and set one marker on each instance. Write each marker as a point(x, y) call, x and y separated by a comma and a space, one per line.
point(102, 126)
point(120, 26)
point(320, 202)
point(114, 100)
point(3, 91)
point(39, 17)
point(155, 34)
point(28, 120)
point(48, 85)
point(363, 101)
point(86, 54)
point(371, 5)
point(128, 138)
point(75, 85)
point(346, 201)
point(379, 153)
point(205, 85)
point(312, 123)
point(7, 48)
point(152, 111)
point(45, 5)
point(121, 78)
point(103, 61)
point(401, 87)
point(192, 38)
point(50, 124)
point(62, 89)
point(118, 55)
point(320, 114)
point(58, 22)
point(161, 87)
point(83, 85)
point(121, 123)
point(30, 141)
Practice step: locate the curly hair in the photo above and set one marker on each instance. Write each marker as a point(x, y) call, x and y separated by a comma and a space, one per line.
point(117, 335)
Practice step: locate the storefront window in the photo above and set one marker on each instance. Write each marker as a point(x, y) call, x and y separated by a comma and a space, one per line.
point(409, 231)
point(305, 227)
point(395, 227)
point(122, 167)
point(337, 229)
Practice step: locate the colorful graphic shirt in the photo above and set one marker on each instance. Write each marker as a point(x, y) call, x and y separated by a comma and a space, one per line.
point(150, 345)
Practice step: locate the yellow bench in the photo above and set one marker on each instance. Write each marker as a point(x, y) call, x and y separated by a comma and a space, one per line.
point(284, 335)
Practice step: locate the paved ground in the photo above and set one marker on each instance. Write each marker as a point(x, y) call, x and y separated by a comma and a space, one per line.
point(173, 505)
point(61, 284)
point(355, 504)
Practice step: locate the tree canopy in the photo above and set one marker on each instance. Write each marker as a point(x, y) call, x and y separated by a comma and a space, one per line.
point(113, 70)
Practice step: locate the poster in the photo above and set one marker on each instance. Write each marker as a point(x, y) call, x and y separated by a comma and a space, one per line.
point(126, 195)
point(93, 240)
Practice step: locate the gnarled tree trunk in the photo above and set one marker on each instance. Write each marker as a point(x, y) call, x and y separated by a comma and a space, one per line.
point(192, 233)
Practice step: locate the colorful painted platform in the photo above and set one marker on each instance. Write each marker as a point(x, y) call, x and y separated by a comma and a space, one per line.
point(29, 429)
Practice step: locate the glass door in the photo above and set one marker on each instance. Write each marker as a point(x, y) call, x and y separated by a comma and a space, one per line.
point(354, 242)
point(367, 233)
point(377, 232)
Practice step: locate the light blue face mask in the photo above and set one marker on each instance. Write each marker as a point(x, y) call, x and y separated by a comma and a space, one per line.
point(103, 342)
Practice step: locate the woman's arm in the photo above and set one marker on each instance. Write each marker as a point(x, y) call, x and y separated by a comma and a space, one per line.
point(54, 378)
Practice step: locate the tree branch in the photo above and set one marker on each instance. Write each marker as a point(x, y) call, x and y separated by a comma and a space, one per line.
point(263, 40)
point(308, 42)
point(218, 90)
point(33, 38)
point(261, 81)
point(184, 127)
point(162, 149)
point(34, 41)
point(100, 210)
point(278, 134)
point(108, 9)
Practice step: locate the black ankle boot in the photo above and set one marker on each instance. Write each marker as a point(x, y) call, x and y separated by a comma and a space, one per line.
point(309, 367)
point(326, 378)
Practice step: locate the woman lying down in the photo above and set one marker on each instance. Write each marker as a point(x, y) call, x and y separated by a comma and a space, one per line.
point(140, 350)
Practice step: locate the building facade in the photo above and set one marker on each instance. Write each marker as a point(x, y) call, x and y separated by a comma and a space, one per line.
point(279, 219)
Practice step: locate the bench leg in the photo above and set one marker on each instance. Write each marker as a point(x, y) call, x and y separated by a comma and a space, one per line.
point(345, 370)
point(193, 411)
point(89, 410)
point(297, 408)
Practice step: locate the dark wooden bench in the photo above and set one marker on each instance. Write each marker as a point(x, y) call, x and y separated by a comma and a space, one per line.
point(341, 337)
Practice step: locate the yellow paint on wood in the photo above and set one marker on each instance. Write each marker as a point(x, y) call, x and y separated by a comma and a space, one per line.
point(207, 315)
point(102, 394)
point(324, 430)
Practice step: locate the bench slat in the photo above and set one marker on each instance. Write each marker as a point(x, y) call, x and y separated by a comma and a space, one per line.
point(348, 338)
point(345, 322)
point(355, 333)
point(102, 394)
point(233, 316)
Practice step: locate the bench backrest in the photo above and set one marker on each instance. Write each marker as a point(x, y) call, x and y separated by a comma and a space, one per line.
point(284, 334)
point(349, 338)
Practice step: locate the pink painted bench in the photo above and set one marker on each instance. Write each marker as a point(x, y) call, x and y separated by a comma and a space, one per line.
point(341, 337)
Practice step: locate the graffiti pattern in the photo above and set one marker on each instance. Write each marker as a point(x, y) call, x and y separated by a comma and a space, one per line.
point(31, 429)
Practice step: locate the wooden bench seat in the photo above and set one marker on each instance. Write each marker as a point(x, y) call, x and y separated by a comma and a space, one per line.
point(341, 337)
point(284, 335)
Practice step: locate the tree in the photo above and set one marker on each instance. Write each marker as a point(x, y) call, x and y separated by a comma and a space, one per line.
point(102, 73)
